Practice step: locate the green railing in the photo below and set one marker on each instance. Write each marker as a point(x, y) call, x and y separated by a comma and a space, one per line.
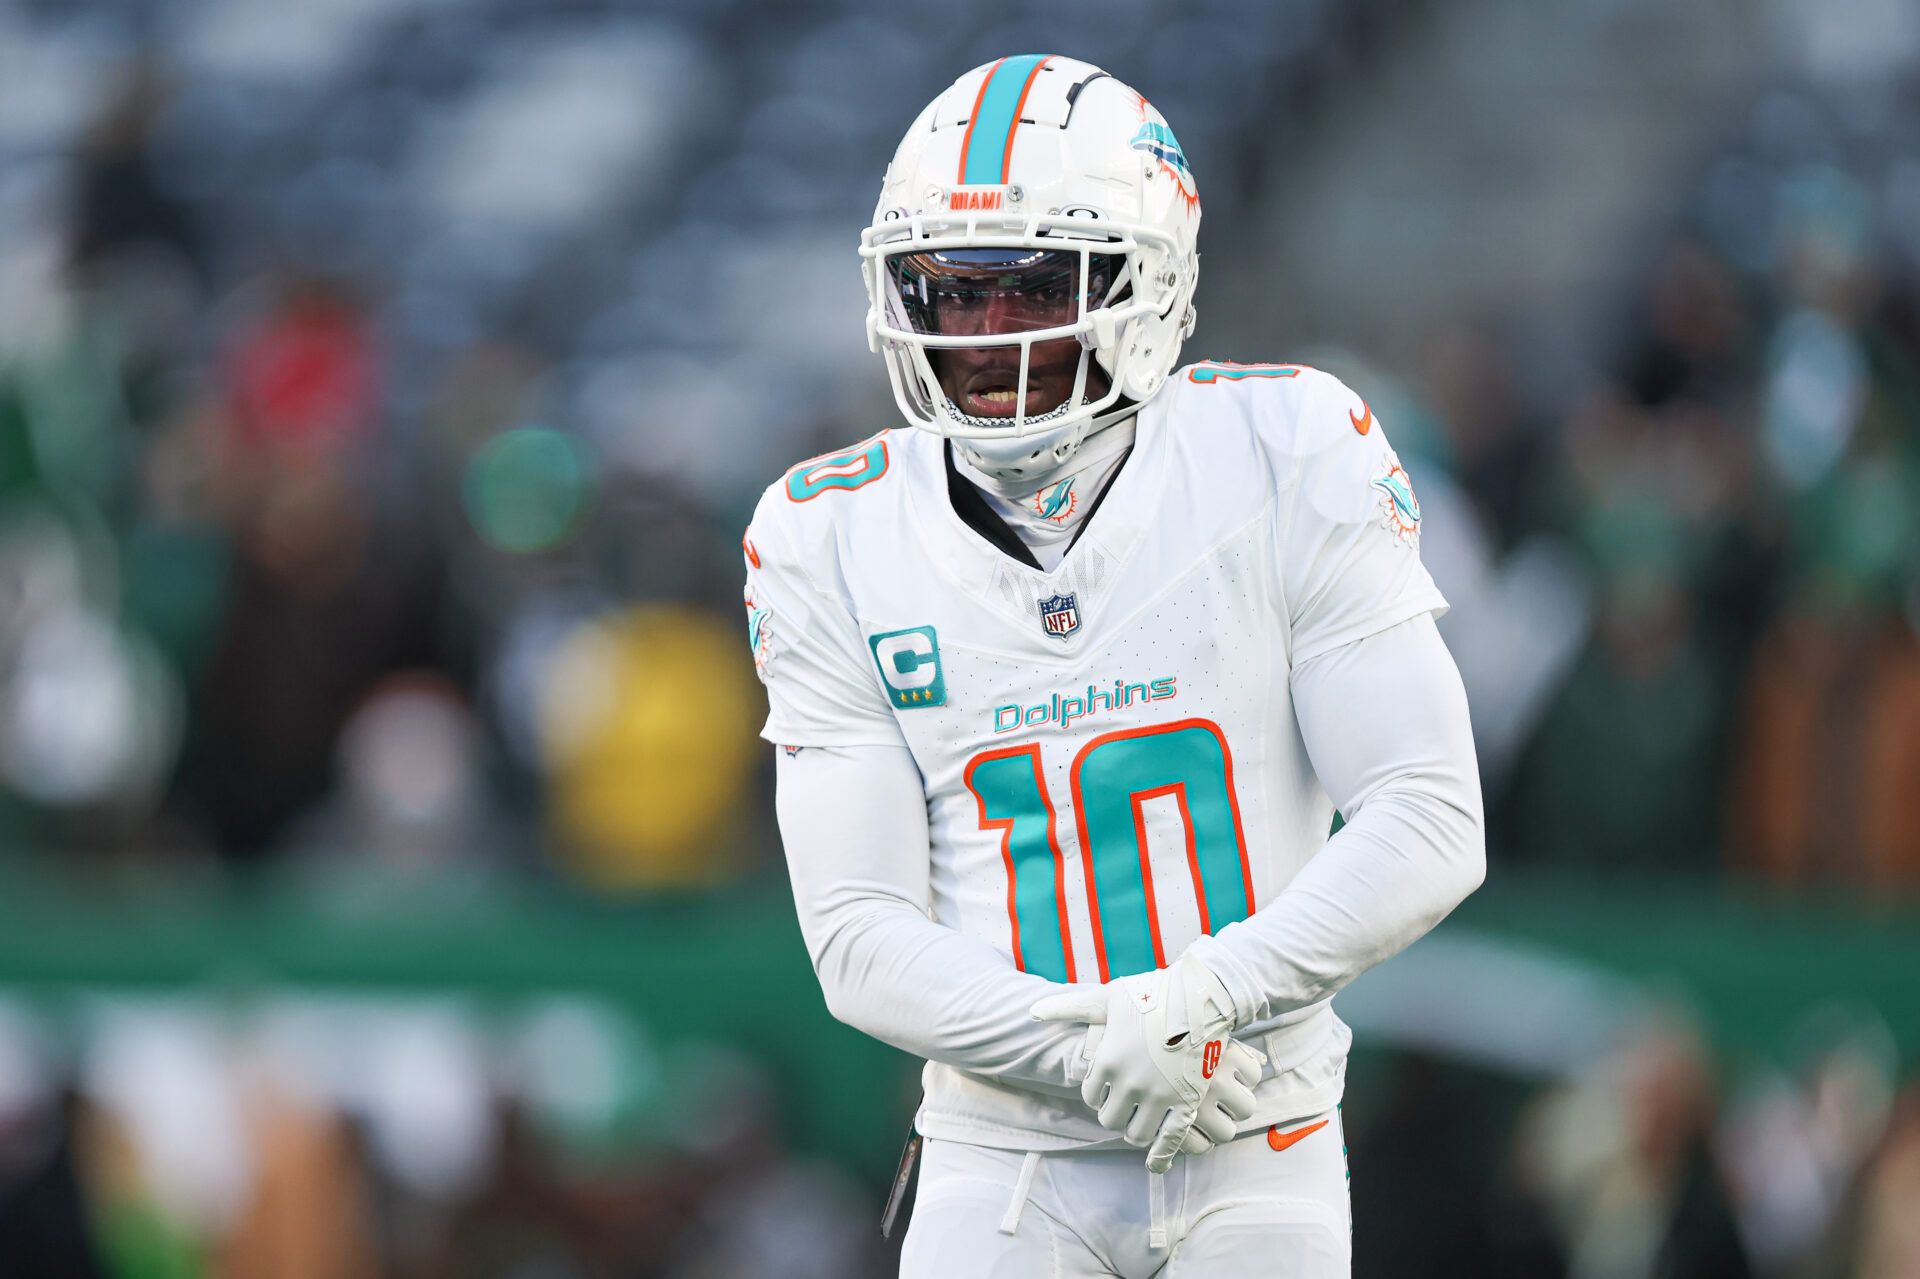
point(730, 967)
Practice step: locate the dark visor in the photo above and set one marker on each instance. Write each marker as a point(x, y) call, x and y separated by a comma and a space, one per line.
point(994, 292)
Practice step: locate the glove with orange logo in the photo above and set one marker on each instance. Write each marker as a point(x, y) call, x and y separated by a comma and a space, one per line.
point(1229, 1100)
point(1158, 1042)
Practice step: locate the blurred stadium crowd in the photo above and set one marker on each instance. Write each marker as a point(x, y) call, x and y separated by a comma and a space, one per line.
point(384, 386)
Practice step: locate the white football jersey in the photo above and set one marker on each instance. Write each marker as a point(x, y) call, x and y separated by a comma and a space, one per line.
point(1110, 752)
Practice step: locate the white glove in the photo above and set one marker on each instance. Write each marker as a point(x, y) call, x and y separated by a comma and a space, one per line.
point(1229, 1100)
point(1165, 1038)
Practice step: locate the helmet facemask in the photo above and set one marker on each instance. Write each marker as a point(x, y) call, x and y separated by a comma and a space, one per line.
point(1006, 294)
point(1025, 287)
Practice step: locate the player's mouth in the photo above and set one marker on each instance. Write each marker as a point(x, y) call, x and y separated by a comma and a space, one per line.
point(998, 395)
point(1001, 401)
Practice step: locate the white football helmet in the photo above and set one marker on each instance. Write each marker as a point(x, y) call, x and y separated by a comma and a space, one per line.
point(1038, 200)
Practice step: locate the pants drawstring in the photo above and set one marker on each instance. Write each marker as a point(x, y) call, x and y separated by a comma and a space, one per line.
point(1011, 1222)
point(1156, 1210)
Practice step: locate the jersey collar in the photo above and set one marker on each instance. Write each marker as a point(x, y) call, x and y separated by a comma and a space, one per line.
point(987, 569)
point(978, 514)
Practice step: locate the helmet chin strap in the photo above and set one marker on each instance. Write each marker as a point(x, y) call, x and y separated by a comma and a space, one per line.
point(1027, 460)
point(1017, 467)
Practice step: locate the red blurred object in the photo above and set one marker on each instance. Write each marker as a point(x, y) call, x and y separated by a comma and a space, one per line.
point(306, 376)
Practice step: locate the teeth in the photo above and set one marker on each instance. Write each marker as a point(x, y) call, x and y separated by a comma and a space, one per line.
point(998, 422)
point(997, 397)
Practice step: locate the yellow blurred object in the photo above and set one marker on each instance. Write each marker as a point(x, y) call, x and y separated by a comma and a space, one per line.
point(647, 734)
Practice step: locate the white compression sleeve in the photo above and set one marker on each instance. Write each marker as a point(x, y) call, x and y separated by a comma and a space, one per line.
point(854, 823)
point(1385, 723)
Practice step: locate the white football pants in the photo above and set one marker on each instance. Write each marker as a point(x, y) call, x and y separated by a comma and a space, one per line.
point(1272, 1204)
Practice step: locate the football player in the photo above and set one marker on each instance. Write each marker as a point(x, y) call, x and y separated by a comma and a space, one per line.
point(1070, 678)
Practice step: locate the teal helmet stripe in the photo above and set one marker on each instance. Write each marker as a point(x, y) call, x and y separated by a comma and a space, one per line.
point(983, 155)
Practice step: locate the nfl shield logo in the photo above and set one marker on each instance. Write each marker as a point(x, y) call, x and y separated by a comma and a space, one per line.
point(1059, 615)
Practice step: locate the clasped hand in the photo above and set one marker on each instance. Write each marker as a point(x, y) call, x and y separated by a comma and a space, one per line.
point(1163, 1070)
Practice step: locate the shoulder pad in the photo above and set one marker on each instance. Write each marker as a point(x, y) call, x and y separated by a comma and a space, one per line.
point(1295, 409)
point(846, 470)
point(797, 518)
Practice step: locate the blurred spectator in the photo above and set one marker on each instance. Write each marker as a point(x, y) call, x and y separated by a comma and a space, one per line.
point(762, 1211)
point(1889, 1239)
point(46, 1231)
point(1691, 340)
point(1795, 1147)
point(520, 1220)
point(89, 715)
point(303, 379)
point(1621, 769)
point(1473, 1221)
point(647, 733)
point(1497, 448)
point(310, 1212)
point(1830, 746)
point(120, 204)
point(328, 590)
point(410, 807)
point(1625, 1157)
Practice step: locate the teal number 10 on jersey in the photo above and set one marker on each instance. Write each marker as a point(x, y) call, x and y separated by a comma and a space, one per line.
point(1112, 777)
